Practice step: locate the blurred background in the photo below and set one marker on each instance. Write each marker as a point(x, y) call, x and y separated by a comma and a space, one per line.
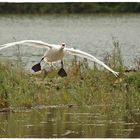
point(41, 8)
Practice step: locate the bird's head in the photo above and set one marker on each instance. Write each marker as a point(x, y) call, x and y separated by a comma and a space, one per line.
point(63, 45)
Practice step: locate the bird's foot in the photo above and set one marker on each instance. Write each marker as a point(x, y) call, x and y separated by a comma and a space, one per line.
point(62, 73)
point(36, 67)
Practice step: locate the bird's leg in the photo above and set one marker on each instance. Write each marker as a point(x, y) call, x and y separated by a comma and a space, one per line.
point(62, 72)
point(37, 67)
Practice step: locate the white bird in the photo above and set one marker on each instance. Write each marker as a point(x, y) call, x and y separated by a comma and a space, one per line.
point(55, 53)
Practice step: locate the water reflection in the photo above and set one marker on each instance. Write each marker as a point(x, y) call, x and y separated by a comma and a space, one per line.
point(67, 123)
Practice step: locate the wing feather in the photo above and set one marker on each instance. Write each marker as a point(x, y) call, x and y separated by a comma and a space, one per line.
point(90, 57)
point(33, 43)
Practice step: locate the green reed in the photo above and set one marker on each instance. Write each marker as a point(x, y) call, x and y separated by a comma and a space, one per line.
point(84, 85)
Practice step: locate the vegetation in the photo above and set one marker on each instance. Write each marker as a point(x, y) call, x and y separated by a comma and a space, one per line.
point(65, 8)
point(84, 86)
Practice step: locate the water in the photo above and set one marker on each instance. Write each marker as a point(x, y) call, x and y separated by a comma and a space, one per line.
point(90, 33)
point(65, 122)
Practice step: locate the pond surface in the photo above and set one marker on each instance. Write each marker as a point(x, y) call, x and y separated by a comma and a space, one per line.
point(66, 122)
point(90, 33)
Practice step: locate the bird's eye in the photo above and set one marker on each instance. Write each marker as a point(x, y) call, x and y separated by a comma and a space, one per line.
point(63, 45)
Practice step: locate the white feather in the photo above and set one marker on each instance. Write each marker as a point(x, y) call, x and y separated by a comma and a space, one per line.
point(33, 43)
point(56, 52)
point(90, 57)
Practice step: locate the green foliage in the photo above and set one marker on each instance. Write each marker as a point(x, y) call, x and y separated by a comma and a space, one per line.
point(42, 8)
point(115, 60)
point(16, 88)
point(134, 80)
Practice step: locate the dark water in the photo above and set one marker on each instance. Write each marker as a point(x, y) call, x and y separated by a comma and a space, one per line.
point(91, 33)
point(65, 122)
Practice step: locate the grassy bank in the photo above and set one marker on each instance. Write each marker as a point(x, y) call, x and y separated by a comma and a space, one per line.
point(84, 86)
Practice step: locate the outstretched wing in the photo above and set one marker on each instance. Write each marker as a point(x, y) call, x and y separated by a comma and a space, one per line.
point(33, 43)
point(90, 57)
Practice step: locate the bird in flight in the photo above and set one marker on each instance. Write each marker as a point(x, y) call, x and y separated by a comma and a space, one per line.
point(55, 53)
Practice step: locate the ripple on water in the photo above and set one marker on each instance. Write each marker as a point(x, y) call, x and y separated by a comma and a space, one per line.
point(91, 124)
point(69, 132)
point(43, 122)
point(30, 136)
point(29, 125)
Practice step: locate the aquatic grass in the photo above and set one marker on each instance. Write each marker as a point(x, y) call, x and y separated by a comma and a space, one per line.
point(137, 63)
point(84, 86)
point(115, 60)
point(16, 88)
